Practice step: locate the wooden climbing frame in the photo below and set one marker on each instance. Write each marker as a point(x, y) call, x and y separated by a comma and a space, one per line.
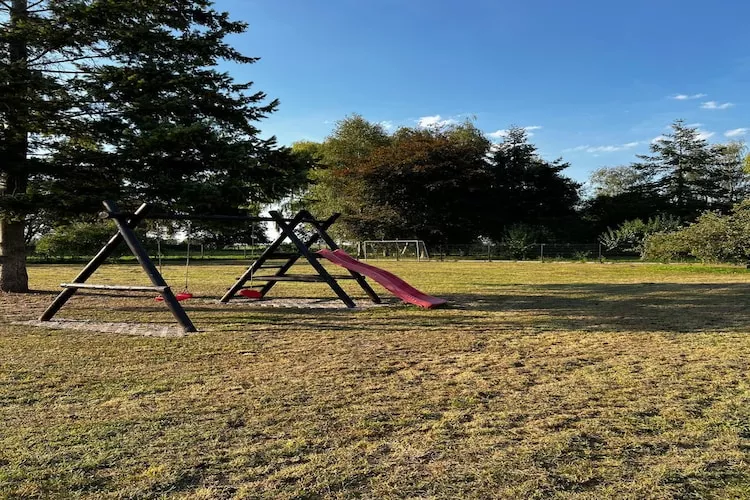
point(127, 222)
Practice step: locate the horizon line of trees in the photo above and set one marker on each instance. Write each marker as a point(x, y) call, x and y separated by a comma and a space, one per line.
point(452, 184)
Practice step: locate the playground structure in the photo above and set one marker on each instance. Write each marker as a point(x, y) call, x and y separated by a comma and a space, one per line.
point(126, 222)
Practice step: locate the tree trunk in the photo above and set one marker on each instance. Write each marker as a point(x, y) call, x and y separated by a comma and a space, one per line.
point(13, 276)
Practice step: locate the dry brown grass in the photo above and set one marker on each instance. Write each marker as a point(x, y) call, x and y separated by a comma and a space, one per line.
point(540, 380)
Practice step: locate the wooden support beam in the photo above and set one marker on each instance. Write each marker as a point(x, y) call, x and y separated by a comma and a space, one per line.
point(266, 255)
point(148, 266)
point(124, 288)
point(361, 281)
point(304, 249)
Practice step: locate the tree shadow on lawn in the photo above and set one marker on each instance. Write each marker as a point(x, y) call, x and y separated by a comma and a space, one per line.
point(633, 308)
point(630, 307)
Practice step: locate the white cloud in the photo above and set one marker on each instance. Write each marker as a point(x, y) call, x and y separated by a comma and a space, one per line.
point(716, 105)
point(499, 134)
point(603, 149)
point(387, 125)
point(705, 135)
point(657, 139)
point(685, 97)
point(436, 121)
point(736, 132)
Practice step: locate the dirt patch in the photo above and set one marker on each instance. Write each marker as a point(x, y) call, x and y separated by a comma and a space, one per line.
point(303, 303)
point(142, 329)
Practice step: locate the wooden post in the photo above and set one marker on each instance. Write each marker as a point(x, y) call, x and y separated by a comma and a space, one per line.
point(321, 231)
point(148, 266)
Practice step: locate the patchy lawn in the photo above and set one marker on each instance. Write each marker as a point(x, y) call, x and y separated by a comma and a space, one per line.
point(540, 380)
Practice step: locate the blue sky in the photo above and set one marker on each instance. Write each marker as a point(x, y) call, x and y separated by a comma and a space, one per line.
point(596, 81)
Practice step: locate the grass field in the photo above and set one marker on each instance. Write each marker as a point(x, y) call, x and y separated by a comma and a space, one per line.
point(539, 381)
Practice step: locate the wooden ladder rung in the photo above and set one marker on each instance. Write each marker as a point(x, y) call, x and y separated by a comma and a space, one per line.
point(300, 277)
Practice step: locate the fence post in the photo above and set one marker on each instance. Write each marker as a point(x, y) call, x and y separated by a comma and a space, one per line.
point(541, 251)
point(601, 257)
point(489, 253)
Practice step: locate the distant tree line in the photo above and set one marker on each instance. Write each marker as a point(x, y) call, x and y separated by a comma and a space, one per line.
point(441, 185)
point(453, 185)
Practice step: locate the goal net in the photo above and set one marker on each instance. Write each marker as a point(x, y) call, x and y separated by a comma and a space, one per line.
point(395, 249)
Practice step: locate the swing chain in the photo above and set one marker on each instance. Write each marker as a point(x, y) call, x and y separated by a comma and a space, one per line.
point(187, 258)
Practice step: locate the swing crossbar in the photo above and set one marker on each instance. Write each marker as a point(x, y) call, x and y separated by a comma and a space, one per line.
point(300, 277)
point(214, 217)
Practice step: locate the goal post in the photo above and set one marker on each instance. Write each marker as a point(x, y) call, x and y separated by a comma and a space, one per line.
point(401, 247)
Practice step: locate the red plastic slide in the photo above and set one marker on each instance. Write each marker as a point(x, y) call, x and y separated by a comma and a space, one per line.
point(390, 282)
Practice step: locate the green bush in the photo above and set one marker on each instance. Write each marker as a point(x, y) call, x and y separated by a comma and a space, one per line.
point(630, 236)
point(520, 239)
point(711, 238)
point(665, 247)
point(77, 239)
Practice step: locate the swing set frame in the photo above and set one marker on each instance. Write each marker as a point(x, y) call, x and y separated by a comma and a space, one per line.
point(126, 222)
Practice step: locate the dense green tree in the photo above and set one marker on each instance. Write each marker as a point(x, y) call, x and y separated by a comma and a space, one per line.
point(614, 181)
point(336, 183)
point(429, 184)
point(729, 176)
point(602, 212)
point(124, 99)
point(680, 171)
point(525, 188)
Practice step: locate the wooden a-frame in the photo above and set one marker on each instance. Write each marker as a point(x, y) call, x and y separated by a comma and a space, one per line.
point(287, 227)
point(127, 222)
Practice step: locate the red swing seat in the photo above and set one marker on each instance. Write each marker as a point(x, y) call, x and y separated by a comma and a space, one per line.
point(179, 296)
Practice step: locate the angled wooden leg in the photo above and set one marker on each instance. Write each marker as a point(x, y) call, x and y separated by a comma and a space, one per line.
point(293, 260)
point(361, 281)
point(305, 251)
point(257, 264)
point(151, 271)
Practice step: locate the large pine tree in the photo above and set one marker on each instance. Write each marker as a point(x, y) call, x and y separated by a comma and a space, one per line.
point(679, 170)
point(525, 188)
point(125, 99)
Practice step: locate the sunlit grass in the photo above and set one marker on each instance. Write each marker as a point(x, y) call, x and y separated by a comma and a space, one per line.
point(539, 380)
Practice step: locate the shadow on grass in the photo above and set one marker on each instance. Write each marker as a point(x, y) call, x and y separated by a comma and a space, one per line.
point(636, 308)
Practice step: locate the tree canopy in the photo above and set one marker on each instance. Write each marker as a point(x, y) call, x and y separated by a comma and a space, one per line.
point(439, 184)
point(125, 100)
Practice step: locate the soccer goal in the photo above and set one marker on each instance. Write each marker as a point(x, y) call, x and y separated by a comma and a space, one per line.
point(395, 248)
